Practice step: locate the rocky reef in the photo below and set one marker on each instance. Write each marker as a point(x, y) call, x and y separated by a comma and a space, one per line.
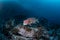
point(46, 30)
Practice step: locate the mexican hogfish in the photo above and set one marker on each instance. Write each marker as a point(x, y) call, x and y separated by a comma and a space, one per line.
point(30, 21)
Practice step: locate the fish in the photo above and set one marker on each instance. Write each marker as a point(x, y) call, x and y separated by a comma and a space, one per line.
point(30, 21)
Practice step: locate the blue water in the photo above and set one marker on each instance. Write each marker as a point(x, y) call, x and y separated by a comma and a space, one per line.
point(49, 9)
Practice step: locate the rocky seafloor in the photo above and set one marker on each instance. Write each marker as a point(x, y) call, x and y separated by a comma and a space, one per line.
point(53, 29)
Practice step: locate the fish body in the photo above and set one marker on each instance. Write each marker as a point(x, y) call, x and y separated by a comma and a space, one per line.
point(30, 21)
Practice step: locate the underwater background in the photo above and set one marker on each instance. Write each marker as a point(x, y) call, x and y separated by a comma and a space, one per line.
point(49, 9)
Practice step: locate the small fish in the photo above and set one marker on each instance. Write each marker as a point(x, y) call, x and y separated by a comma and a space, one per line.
point(30, 21)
